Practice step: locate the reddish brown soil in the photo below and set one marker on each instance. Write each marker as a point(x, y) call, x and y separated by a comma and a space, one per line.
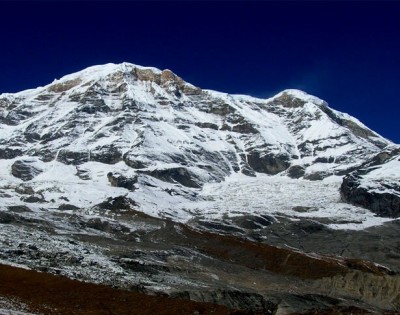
point(283, 261)
point(49, 294)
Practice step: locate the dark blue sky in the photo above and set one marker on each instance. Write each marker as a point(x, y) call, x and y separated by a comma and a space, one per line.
point(347, 53)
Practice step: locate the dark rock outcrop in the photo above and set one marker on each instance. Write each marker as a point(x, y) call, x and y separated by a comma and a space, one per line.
point(9, 153)
point(73, 157)
point(270, 164)
point(180, 175)
point(296, 171)
point(316, 176)
point(372, 188)
point(119, 180)
point(66, 206)
point(37, 198)
point(6, 218)
point(25, 169)
point(116, 204)
point(106, 154)
point(19, 209)
point(386, 204)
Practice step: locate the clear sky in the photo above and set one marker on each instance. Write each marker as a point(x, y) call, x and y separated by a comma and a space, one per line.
point(347, 53)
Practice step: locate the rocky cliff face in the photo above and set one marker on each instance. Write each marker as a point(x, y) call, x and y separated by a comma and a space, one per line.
point(376, 184)
point(97, 168)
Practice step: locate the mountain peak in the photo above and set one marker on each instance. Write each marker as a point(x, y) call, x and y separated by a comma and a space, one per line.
point(109, 70)
point(119, 78)
point(99, 71)
point(296, 98)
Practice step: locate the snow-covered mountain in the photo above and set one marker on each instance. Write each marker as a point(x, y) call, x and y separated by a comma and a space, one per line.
point(135, 127)
point(152, 119)
point(141, 124)
point(118, 151)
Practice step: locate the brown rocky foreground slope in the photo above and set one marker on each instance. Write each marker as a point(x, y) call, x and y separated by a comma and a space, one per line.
point(331, 285)
point(35, 292)
point(48, 294)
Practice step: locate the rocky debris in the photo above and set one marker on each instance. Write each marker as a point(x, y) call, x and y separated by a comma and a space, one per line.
point(119, 180)
point(25, 169)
